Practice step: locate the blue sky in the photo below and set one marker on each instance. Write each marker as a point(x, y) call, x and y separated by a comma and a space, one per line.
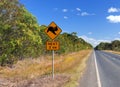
point(93, 20)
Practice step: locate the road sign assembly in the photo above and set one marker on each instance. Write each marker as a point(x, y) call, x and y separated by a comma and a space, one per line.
point(53, 31)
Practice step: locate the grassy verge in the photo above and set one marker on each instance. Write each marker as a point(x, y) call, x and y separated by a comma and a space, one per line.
point(115, 52)
point(77, 71)
point(71, 65)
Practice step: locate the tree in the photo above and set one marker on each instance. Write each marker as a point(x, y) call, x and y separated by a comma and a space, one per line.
point(114, 45)
point(19, 37)
point(71, 43)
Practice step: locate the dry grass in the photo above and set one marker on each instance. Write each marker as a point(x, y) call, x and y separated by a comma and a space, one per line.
point(115, 52)
point(70, 65)
point(77, 71)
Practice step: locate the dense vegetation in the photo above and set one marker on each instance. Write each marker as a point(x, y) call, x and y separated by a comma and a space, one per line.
point(22, 37)
point(114, 45)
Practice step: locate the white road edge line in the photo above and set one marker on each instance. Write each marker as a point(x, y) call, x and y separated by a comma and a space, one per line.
point(97, 72)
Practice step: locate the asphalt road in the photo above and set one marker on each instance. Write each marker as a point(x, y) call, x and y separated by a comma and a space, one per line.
point(103, 70)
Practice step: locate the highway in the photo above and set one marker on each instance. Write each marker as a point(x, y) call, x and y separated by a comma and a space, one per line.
point(103, 70)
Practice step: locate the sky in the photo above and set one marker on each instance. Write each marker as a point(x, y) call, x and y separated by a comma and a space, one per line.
point(94, 20)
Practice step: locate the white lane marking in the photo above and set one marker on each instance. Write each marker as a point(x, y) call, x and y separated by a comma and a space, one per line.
point(97, 72)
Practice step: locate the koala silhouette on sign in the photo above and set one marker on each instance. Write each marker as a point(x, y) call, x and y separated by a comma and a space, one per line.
point(52, 29)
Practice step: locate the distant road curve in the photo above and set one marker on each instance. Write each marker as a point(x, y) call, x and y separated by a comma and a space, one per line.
point(103, 70)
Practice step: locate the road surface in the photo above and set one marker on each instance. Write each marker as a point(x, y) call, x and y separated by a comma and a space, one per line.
point(103, 70)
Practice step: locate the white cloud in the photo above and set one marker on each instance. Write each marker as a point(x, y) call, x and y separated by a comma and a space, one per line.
point(93, 41)
point(117, 39)
point(65, 10)
point(114, 19)
point(89, 33)
point(86, 14)
point(65, 17)
point(78, 9)
point(118, 32)
point(112, 10)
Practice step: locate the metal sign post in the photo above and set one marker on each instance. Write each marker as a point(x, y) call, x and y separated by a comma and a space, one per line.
point(53, 64)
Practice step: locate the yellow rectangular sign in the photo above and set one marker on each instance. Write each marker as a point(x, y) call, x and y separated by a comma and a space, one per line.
point(52, 45)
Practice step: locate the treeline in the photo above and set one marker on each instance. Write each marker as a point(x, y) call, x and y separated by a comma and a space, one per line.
point(114, 45)
point(22, 37)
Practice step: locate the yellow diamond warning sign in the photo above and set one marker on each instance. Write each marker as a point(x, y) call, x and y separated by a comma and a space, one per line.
point(52, 45)
point(53, 30)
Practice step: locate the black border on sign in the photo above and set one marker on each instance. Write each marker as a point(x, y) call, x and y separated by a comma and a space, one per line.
point(53, 41)
point(49, 26)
